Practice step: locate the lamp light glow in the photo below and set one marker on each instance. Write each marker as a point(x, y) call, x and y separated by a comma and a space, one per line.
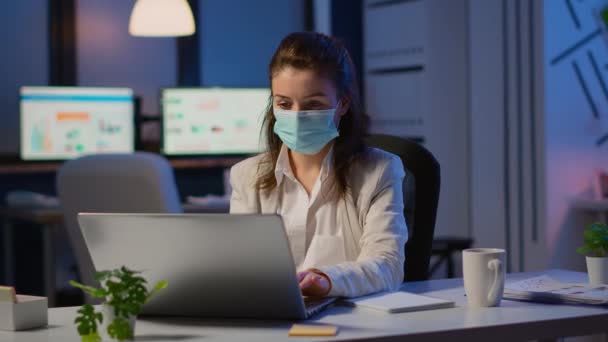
point(161, 18)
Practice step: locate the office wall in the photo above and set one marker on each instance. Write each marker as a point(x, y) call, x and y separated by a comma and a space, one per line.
point(416, 85)
point(446, 107)
point(487, 112)
point(238, 38)
point(322, 16)
point(466, 77)
point(507, 146)
point(538, 109)
point(108, 56)
point(24, 51)
point(576, 120)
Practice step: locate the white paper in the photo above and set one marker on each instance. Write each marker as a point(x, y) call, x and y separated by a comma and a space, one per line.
point(399, 302)
point(544, 287)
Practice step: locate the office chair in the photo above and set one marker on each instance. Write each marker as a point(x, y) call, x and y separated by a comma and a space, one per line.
point(120, 183)
point(421, 196)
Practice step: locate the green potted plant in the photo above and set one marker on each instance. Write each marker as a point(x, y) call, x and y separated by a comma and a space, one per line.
point(124, 292)
point(596, 251)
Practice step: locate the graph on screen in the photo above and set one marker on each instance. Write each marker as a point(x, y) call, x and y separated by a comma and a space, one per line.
point(66, 122)
point(213, 120)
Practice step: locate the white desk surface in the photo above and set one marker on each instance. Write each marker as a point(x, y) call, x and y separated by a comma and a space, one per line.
point(512, 321)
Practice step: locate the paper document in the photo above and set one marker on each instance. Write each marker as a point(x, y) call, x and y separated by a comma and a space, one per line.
point(546, 289)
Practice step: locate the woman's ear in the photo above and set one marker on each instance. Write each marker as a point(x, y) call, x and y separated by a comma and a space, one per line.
point(343, 106)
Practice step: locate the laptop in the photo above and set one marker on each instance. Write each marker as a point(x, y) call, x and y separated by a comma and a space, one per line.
point(216, 265)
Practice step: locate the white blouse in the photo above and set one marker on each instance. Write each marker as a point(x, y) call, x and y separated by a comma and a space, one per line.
point(315, 237)
point(357, 239)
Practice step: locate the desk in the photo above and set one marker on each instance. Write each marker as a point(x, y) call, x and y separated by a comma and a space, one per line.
point(20, 167)
point(512, 321)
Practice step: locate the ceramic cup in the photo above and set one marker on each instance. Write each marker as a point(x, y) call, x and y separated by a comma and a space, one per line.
point(484, 275)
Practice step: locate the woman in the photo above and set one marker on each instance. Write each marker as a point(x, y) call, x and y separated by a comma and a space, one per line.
point(341, 202)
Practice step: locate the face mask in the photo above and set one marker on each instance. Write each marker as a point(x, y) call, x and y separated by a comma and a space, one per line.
point(305, 132)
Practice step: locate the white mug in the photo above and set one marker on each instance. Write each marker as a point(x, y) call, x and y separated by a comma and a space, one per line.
point(484, 275)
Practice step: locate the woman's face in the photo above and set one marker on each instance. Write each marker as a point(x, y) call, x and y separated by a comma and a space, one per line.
point(299, 90)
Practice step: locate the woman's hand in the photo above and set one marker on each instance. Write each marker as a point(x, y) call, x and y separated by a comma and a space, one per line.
point(314, 284)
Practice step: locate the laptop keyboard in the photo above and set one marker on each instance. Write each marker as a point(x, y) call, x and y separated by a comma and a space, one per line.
point(315, 305)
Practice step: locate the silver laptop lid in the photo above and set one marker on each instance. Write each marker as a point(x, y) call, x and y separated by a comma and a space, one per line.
point(217, 265)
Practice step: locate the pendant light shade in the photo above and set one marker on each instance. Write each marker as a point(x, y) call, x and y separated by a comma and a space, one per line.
point(161, 18)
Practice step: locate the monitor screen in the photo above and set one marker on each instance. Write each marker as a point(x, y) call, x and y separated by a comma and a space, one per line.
point(213, 121)
point(60, 123)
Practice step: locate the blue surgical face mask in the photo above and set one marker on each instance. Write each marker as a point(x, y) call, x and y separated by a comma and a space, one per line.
point(305, 132)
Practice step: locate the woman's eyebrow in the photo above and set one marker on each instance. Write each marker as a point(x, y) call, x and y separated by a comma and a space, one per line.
point(319, 93)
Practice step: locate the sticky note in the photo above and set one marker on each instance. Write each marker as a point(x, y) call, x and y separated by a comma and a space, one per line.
point(7, 294)
point(313, 330)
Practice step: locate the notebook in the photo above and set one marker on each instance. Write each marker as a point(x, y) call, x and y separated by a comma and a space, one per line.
point(394, 302)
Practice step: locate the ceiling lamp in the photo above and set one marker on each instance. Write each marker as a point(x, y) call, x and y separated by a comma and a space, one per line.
point(161, 18)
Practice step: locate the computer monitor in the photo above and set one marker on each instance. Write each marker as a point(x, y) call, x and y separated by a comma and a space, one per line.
point(213, 121)
point(59, 123)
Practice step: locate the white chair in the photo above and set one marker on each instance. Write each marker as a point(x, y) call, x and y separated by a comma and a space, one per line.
point(120, 183)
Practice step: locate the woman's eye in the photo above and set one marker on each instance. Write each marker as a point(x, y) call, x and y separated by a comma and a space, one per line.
point(284, 105)
point(315, 105)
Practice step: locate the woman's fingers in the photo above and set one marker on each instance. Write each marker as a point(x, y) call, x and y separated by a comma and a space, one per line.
point(321, 282)
point(314, 285)
point(301, 275)
point(305, 280)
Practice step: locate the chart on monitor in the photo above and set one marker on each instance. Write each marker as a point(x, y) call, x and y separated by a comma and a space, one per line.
point(213, 121)
point(60, 123)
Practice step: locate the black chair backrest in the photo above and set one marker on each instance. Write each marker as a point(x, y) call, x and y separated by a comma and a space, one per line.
point(420, 215)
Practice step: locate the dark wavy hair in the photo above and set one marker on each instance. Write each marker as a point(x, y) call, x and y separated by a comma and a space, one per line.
point(328, 57)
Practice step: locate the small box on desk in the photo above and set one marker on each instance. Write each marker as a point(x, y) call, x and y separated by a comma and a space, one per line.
point(29, 312)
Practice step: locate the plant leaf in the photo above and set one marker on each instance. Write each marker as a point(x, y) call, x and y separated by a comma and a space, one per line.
point(159, 286)
point(90, 290)
point(583, 250)
point(595, 239)
point(86, 320)
point(102, 275)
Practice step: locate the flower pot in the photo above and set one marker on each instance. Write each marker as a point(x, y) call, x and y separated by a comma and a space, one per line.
point(108, 317)
point(597, 268)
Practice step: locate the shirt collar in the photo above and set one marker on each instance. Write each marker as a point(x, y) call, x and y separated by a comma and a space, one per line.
point(283, 167)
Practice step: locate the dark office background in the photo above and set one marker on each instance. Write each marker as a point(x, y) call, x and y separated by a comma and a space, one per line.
point(86, 43)
point(509, 95)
